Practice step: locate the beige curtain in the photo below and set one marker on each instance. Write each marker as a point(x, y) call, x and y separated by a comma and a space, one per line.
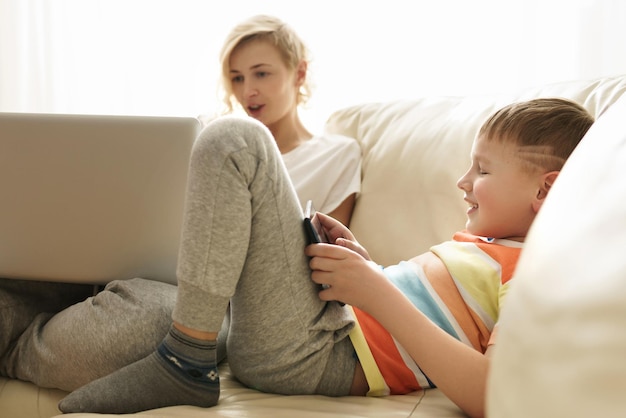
point(26, 79)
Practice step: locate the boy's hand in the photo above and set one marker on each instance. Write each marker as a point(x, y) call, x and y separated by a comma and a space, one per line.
point(339, 234)
point(349, 277)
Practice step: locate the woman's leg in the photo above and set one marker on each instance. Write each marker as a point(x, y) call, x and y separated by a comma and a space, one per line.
point(245, 232)
point(23, 302)
point(121, 324)
point(243, 242)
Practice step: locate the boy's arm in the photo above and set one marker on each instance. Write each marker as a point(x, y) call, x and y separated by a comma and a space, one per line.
point(457, 369)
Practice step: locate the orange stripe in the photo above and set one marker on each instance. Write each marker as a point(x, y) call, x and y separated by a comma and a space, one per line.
point(504, 256)
point(441, 281)
point(397, 375)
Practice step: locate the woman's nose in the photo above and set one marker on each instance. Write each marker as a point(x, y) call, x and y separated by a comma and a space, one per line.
point(251, 90)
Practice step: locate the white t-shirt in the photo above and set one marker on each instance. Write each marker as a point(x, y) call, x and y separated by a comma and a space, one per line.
point(325, 169)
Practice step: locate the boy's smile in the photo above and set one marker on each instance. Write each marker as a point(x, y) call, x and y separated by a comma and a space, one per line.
point(499, 191)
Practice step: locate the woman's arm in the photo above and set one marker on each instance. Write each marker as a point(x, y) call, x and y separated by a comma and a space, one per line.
point(343, 212)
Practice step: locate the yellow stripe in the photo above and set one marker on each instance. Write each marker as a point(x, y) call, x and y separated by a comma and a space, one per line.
point(375, 379)
point(477, 273)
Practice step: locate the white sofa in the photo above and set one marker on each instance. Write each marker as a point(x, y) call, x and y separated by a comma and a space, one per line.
point(413, 153)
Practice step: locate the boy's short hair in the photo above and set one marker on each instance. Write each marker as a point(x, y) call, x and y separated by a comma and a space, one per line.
point(546, 130)
point(291, 47)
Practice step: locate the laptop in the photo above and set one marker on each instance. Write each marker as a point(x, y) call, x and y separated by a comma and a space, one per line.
point(92, 198)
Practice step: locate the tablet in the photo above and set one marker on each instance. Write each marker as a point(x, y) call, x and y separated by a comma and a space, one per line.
point(312, 226)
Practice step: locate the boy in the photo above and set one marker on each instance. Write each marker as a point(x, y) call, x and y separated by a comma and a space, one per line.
point(242, 243)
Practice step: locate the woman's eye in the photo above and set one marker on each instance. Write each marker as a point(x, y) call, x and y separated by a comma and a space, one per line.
point(236, 79)
point(261, 74)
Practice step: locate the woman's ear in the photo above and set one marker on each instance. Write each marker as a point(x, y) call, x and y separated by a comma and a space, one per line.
point(547, 180)
point(301, 70)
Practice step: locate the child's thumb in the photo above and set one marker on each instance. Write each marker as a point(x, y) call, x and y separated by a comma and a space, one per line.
point(346, 243)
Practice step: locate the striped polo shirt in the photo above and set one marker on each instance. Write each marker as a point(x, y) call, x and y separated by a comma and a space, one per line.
point(463, 297)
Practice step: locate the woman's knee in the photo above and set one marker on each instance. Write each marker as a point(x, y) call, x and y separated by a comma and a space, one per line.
point(233, 132)
point(147, 301)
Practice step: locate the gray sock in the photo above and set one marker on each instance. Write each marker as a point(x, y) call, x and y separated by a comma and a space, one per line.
point(182, 371)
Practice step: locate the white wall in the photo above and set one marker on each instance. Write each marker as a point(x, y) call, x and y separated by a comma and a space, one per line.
point(160, 56)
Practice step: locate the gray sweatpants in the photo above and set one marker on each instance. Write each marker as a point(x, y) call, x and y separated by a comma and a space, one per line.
point(63, 336)
point(243, 242)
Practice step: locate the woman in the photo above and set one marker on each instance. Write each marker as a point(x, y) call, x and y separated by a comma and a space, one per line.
point(265, 68)
point(264, 71)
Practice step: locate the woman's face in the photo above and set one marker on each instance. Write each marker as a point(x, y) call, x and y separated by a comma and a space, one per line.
point(261, 82)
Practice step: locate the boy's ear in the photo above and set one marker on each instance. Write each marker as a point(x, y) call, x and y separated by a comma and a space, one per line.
point(547, 180)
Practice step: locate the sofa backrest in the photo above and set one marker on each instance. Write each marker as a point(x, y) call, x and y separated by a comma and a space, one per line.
point(415, 150)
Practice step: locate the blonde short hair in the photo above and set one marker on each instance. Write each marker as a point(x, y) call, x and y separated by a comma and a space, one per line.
point(546, 130)
point(268, 28)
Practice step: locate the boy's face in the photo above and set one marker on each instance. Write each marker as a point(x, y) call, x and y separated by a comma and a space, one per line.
point(499, 191)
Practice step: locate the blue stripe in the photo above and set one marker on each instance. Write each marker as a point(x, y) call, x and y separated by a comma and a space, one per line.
point(404, 277)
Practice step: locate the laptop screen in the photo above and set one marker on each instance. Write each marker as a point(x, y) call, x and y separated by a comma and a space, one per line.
point(90, 198)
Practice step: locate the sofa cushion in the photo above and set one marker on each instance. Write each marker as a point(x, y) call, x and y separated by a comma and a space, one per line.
point(562, 342)
point(415, 150)
point(237, 400)
point(20, 399)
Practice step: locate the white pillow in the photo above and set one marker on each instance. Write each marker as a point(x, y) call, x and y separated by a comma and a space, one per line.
point(561, 349)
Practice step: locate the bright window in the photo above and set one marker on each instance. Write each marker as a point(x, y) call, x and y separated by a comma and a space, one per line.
point(160, 56)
